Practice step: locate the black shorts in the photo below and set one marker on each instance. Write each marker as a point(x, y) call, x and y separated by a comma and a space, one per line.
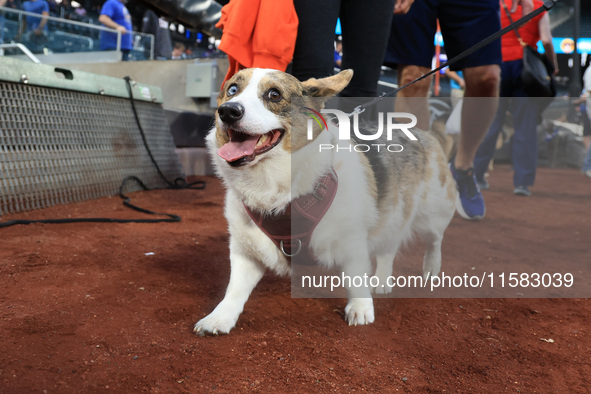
point(464, 23)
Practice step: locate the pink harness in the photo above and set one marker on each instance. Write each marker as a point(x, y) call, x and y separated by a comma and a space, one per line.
point(294, 227)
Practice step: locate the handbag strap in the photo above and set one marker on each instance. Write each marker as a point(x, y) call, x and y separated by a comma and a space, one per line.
point(523, 44)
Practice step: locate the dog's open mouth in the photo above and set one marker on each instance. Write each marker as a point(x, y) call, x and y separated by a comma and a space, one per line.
point(243, 147)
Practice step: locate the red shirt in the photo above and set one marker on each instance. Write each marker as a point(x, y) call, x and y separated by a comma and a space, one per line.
point(530, 32)
point(258, 33)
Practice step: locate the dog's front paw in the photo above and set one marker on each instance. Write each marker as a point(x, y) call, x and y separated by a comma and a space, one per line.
point(214, 323)
point(359, 311)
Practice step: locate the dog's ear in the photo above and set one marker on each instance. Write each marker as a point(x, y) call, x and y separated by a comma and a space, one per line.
point(329, 86)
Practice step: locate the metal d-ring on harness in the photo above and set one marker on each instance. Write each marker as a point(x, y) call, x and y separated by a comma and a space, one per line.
point(321, 190)
point(290, 255)
point(293, 228)
point(546, 7)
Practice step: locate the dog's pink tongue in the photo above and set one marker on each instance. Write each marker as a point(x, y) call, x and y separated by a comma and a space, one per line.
point(238, 147)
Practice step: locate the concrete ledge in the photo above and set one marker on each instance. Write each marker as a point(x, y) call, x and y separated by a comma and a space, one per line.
point(169, 75)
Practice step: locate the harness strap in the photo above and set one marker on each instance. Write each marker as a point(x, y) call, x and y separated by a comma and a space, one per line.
point(291, 231)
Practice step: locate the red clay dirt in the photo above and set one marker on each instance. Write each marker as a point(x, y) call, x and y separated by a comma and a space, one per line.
point(84, 309)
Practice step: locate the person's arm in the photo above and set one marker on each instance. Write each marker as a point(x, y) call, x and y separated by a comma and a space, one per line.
point(402, 6)
point(108, 22)
point(455, 76)
point(3, 2)
point(39, 29)
point(527, 5)
point(546, 37)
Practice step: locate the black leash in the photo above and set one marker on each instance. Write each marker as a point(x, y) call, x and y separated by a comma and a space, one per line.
point(546, 7)
point(170, 218)
point(177, 184)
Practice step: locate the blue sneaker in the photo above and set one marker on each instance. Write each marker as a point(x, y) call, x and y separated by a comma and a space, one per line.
point(469, 202)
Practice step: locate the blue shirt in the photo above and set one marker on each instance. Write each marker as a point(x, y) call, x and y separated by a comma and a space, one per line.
point(453, 84)
point(117, 11)
point(337, 57)
point(38, 7)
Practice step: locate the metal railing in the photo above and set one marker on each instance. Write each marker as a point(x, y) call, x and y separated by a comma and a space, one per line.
point(66, 36)
point(20, 47)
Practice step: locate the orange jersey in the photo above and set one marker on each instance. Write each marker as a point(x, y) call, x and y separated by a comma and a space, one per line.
point(258, 33)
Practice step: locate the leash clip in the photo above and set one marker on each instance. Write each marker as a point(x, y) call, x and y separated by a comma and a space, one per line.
point(358, 110)
point(293, 254)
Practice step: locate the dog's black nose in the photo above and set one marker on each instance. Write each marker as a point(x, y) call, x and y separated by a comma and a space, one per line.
point(231, 112)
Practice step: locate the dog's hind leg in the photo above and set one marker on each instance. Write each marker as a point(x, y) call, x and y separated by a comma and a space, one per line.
point(432, 258)
point(244, 276)
point(431, 229)
point(430, 224)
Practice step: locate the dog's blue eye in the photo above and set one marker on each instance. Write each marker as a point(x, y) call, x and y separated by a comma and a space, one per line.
point(232, 90)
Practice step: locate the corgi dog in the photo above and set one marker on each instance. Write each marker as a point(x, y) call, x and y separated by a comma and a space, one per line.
point(267, 157)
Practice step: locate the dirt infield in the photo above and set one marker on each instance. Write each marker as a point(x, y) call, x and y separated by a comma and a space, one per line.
point(84, 309)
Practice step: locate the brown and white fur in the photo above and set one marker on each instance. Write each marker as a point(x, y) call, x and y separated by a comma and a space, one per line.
point(371, 216)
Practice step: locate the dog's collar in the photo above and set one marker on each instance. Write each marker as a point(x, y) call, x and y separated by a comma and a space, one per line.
point(292, 230)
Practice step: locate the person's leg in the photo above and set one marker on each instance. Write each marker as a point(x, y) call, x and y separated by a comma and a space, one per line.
point(586, 125)
point(365, 36)
point(488, 146)
point(314, 49)
point(456, 95)
point(463, 24)
point(526, 115)
point(587, 163)
point(411, 50)
point(525, 141)
point(414, 99)
point(125, 54)
point(587, 141)
point(478, 110)
point(479, 107)
point(586, 169)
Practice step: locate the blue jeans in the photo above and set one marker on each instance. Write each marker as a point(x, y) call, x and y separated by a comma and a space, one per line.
point(125, 54)
point(526, 114)
point(587, 161)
